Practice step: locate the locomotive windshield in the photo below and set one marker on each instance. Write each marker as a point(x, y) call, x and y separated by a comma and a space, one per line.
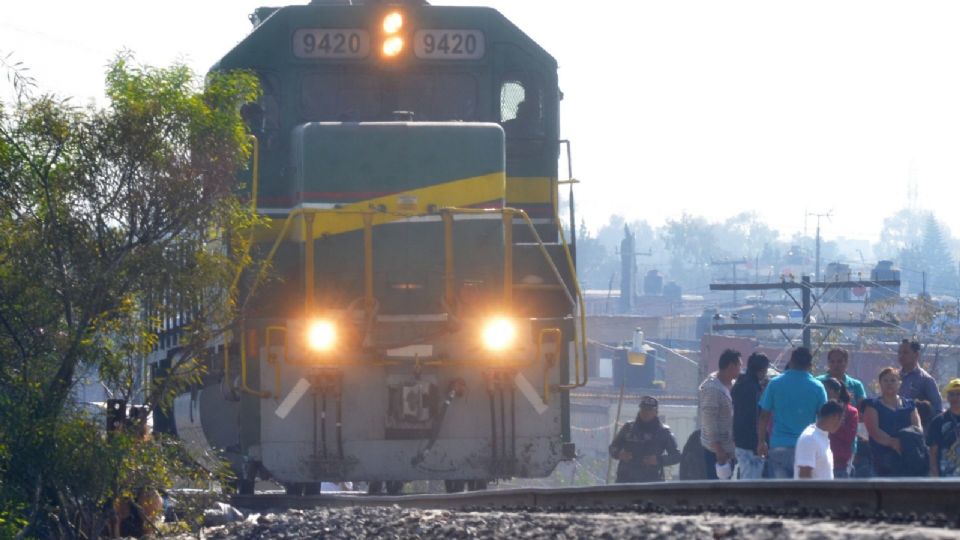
point(360, 97)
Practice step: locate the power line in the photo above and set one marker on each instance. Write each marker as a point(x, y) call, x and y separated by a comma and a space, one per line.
point(806, 286)
point(733, 266)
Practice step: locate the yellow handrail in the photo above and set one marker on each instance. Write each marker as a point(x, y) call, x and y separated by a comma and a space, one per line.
point(290, 218)
point(575, 299)
point(236, 278)
point(507, 260)
point(583, 313)
point(546, 366)
point(368, 299)
point(546, 256)
point(308, 271)
point(533, 230)
point(448, 270)
point(243, 368)
point(309, 215)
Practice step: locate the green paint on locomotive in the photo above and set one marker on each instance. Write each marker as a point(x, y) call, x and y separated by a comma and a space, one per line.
point(302, 90)
point(353, 162)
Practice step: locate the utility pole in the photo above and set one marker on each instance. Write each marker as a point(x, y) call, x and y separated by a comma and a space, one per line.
point(808, 301)
point(733, 266)
point(816, 271)
point(571, 181)
point(805, 304)
point(628, 269)
point(816, 274)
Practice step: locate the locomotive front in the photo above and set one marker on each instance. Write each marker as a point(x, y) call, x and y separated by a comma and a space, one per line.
point(420, 315)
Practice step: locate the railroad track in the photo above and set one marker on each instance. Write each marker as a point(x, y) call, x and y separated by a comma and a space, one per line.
point(898, 500)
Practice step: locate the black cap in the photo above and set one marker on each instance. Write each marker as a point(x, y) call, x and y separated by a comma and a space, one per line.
point(648, 402)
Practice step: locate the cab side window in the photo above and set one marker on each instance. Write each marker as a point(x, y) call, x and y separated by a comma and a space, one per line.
point(521, 107)
point(263, 116)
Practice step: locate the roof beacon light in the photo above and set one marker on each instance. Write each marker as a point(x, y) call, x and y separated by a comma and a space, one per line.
point(393, 22)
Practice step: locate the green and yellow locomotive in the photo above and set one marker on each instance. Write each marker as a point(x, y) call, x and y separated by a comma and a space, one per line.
point(421, 316)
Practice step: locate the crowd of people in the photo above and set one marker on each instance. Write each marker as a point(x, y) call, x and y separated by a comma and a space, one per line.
point(758, 424)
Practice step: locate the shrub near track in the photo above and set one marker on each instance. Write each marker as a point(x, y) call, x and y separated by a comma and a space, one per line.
point(101, 210)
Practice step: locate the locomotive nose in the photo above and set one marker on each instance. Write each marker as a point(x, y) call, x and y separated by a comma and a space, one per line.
point(406, 173)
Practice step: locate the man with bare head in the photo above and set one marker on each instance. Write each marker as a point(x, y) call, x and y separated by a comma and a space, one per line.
point(716, 416)
point(792, 400)
point(838, 359)
point(915, 382)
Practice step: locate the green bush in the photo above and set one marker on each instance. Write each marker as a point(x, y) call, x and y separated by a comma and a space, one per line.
point(101, 210)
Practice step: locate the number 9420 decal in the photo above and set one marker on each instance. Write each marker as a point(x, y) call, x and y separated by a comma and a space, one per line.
point(331, 43)
point(448, 44)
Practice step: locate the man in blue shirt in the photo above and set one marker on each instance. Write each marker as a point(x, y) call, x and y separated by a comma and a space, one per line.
point(837, 361)
point(792, 399)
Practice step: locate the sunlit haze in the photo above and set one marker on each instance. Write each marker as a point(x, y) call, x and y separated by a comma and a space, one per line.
point(710, 108)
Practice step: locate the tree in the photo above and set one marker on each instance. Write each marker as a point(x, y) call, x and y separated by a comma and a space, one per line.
point(110, 219)
point(611, 233)
point(691, 243)
point(927, 258)
point(900, 231)
point(936, 259)
point(744, 235)
point(603, 260)
point(591, 259)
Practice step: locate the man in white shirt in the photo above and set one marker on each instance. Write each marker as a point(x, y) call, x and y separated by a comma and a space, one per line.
point(813, 458)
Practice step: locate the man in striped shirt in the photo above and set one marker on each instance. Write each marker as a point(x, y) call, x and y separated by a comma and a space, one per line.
point(716, 415)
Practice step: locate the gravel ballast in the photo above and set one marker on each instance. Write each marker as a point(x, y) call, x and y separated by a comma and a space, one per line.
point(395, 522)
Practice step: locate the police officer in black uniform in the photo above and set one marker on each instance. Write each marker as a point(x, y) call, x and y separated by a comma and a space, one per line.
point(644, 447)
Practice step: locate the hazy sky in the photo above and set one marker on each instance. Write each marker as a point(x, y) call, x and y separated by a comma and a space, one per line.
point(704, 106)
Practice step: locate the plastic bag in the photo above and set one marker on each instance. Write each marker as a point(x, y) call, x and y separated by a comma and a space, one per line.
point(725, 471)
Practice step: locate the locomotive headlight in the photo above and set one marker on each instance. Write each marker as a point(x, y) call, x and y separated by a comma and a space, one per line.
point(392, 46)
point(393, 22)
point(321, 335)
point(499, 334)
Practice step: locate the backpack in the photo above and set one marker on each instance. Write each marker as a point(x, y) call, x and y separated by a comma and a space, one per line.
point(913, 460)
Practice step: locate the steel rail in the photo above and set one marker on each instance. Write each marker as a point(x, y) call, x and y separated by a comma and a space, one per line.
point(864, 498)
